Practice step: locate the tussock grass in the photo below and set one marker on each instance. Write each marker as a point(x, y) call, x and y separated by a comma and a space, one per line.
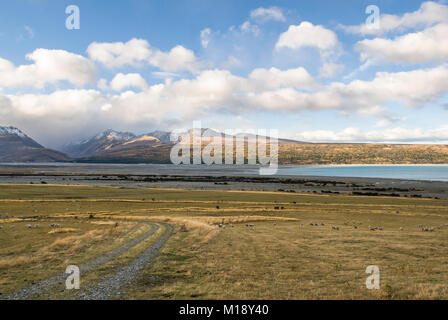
point(282, 257)
point(63, 230)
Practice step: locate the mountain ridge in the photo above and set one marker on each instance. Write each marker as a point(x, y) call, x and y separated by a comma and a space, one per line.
point(112, 146)
point(16, 146)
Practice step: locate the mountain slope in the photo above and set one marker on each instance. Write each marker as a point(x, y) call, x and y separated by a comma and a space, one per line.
point(98, 144)
point(154, 147)
point(163, 136)
point(16, 146)
point(142, 149)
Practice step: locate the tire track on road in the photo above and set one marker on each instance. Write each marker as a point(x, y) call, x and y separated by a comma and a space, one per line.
point(117, 282)
point(44, 286)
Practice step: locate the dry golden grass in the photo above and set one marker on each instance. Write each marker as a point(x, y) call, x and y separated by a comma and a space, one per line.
point(282, 257)
point(63, 230)
point(16, 261)
point(362, 154)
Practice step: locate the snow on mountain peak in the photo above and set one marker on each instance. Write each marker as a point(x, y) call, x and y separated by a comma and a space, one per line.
point(12, 131)
point(116, 135)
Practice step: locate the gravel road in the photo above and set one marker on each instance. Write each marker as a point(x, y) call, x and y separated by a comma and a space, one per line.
point(113, 284)
point(38, 289)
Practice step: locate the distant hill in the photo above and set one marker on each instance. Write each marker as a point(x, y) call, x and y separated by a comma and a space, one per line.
point(16, 146)
point(97, 144)
point(362, 153)
point(113, 146)
point(142, 149)
point(153, 147)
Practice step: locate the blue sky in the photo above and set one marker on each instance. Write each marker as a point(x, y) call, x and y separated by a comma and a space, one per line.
point(308, 68)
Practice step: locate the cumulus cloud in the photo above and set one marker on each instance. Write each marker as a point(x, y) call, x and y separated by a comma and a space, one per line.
point(330, 69)
point(219, 91)
point(177, 59)
point(274, 78)
point(74, 114)
point(265, 14)
point(307, 35)
point(102, 84)
point(138, 52)
point(429, 14)
point(388, 135)
point(206, 93)
point(119, 54)
point(420, 47)
point(411, 88)
point(130, 80)
point(232, 62)
point(49, 67)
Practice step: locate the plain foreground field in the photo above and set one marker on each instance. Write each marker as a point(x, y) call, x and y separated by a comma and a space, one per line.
point(272, 245)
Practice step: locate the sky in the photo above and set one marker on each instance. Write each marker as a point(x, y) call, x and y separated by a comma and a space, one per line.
point(318, 71)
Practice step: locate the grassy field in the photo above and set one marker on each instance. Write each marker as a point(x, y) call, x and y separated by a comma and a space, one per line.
point(282, 257)
point(370, 153)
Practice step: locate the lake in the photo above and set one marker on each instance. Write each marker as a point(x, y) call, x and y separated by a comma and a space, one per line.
point(406, 172)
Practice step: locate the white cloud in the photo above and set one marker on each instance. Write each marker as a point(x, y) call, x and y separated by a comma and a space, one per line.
point(231, 63)
point(274, 78)
point(248, 27)
point(265, 14)
point(177, 59)
point(419, 47)
point(205, 37)
point(386, 122)
point(102, 84)
point(330, 69)
point(137, 52)
point(413, 88)
point(106, 107)
point(427, 15)
point(307, 35)
point(218, 92)
point(130, 80)
point(388, 135)
point(49, 67)
point(119, 54)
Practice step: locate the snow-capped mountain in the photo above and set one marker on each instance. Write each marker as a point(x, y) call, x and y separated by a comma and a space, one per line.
point(14, 136)
point(12, 131)
point(16, 146)
point(101, 142)
point(115, 135)
point(163, 136)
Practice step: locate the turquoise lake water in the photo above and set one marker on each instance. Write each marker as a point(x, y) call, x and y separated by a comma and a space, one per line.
point(411, 172)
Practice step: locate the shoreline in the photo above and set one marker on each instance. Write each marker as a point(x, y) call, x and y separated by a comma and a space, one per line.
point(218, 179)
point(284, 171)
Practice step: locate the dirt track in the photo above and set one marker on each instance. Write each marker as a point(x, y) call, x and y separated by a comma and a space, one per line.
point(110, 285)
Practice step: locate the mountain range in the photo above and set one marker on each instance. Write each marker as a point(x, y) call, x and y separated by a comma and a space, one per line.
point(109, 146)
point(113, 146)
